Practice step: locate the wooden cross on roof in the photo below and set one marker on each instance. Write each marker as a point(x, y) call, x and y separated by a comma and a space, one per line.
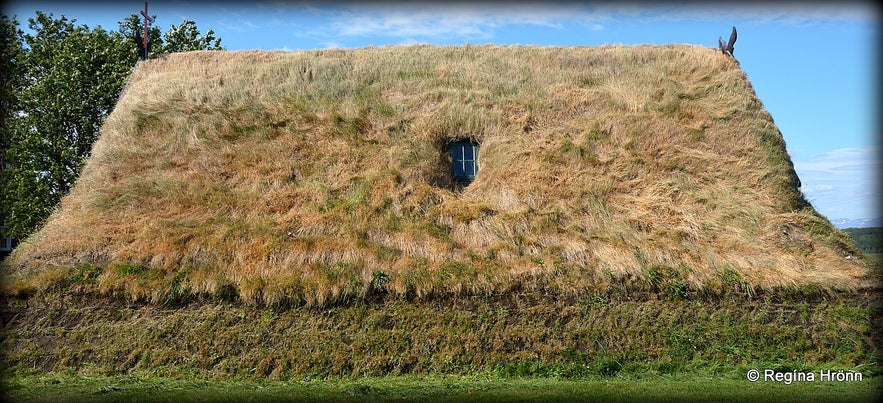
point(145, 39)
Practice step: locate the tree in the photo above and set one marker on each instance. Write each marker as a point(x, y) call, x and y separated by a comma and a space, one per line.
point(132, 26)
point(185, 38)
point(11, 82)
point(181, 38)
point(58, 85)
point(72, 76)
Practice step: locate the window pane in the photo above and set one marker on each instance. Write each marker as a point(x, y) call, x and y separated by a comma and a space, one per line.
point(463, 164)
point(456, 151)
point(459, 172)
point(468, 153)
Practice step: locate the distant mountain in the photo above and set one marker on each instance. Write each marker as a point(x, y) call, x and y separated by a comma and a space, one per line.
point(842, 223)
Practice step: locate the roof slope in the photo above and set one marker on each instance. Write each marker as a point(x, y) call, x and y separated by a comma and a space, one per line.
point(317, 176)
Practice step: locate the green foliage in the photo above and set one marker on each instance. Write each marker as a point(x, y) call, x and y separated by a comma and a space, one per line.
point(185, 37)
point(134, 24)
point(12, 79)
point(130, 270)
point(869, 240)
point(73, 76)
point(606, 365)
point(379, 280)
point(58, 85)
point(733, 281)
point(667, 280)
point(87, 274)
point(11, 82)
point(179, 38)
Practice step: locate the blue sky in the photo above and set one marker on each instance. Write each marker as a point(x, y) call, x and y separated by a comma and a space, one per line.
point(815, 65)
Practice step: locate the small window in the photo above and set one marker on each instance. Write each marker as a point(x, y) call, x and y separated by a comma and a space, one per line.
point(464, 156)
point(6, 243)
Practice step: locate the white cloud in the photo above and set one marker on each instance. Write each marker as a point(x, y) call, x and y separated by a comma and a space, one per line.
point(820, 188)
point(842, 183)
point(842, 161)
point(459, 20)
point(456, 21)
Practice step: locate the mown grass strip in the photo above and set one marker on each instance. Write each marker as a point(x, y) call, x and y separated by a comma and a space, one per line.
point(523, 335)
point(426, 389)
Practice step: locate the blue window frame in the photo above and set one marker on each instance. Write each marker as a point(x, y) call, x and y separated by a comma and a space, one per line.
point(6, 243)
point(464, 160)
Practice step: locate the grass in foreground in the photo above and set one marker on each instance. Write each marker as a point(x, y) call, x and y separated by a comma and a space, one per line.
point(423, 389)
point(515, 335)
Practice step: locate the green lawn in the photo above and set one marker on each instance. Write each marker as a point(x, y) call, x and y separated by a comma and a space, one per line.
point(427, 389)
